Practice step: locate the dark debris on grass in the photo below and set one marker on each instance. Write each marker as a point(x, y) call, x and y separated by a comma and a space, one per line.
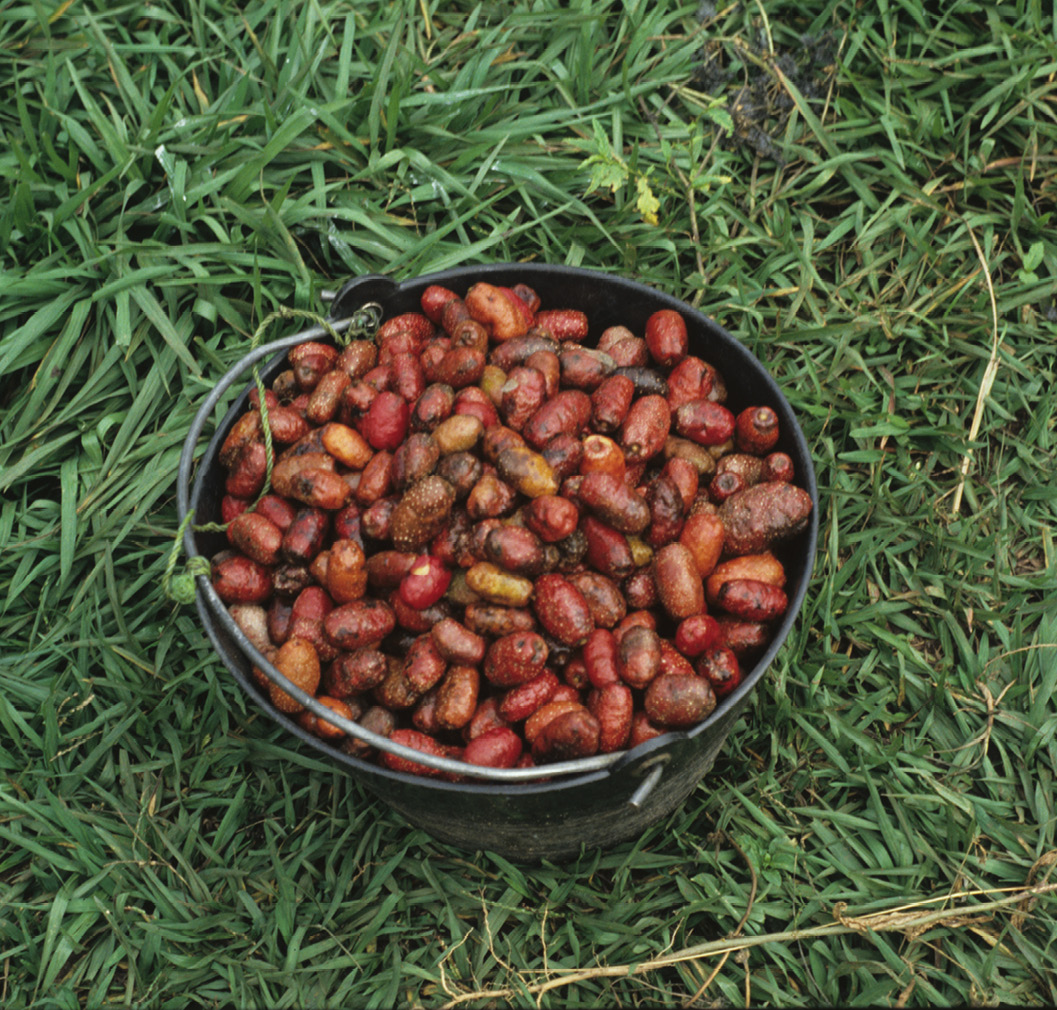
point(751, 75)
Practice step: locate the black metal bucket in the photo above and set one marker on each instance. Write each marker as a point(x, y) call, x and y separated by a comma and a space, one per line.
point(521, 814)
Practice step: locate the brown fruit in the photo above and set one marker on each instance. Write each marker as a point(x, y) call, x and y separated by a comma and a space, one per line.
point(567, 737)
point(679, 585)
point(639, 656)
point(676, 701)
point(604, 598)
point(762, 515)
point(346, 576)
point(456, 643)
point(457, 696)
point(360, 623)
point(763, 567)
point(613, 707)
point(421, 513)
point(298, 662)
point(527, 472)
point(615, 503)
point(491, 307)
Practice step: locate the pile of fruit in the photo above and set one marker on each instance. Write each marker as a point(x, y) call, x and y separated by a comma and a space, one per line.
point(489, 537)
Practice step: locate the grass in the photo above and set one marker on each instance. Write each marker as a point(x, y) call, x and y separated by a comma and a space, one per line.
point(877, 229)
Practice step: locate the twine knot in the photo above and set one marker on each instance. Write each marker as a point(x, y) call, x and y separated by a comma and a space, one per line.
point(182, 585)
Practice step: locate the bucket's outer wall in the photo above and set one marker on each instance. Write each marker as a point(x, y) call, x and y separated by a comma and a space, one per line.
point(546, 820)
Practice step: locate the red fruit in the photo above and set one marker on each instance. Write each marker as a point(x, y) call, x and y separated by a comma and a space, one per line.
point(566, 413)
point(518, 302)
point(457, 644)
point(414, 324)
point(238, 579)
point(528, 296)
point(563, 324)
point(515, 659)
point(778, 466)
point(551, 518)
point(424, 665)
point(697, 634)
point(524, 699)
point(499, 747)
point(471, 400)
point(433, 300)
point(691, 379)
point(386, 422)
point(666, 337)
point(719, 666)
point(745, 639)
point(756, 430)
point(246, 477)
point(704, 421)
point(608, 550)
point(610, 403)
point(645, 428)
point(600, 658)
point(613, 707)
point(485, 717)
point(562, 609)
point(231, 507)
point(614, 502)
point(723, 485)
point(673, 661)
point(277, 509)
point(256, 536)
point(752, 599)
point(416, 740)
point(425, 583)
point(355, 625)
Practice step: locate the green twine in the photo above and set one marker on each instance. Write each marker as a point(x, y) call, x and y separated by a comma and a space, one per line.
point(180, 586)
